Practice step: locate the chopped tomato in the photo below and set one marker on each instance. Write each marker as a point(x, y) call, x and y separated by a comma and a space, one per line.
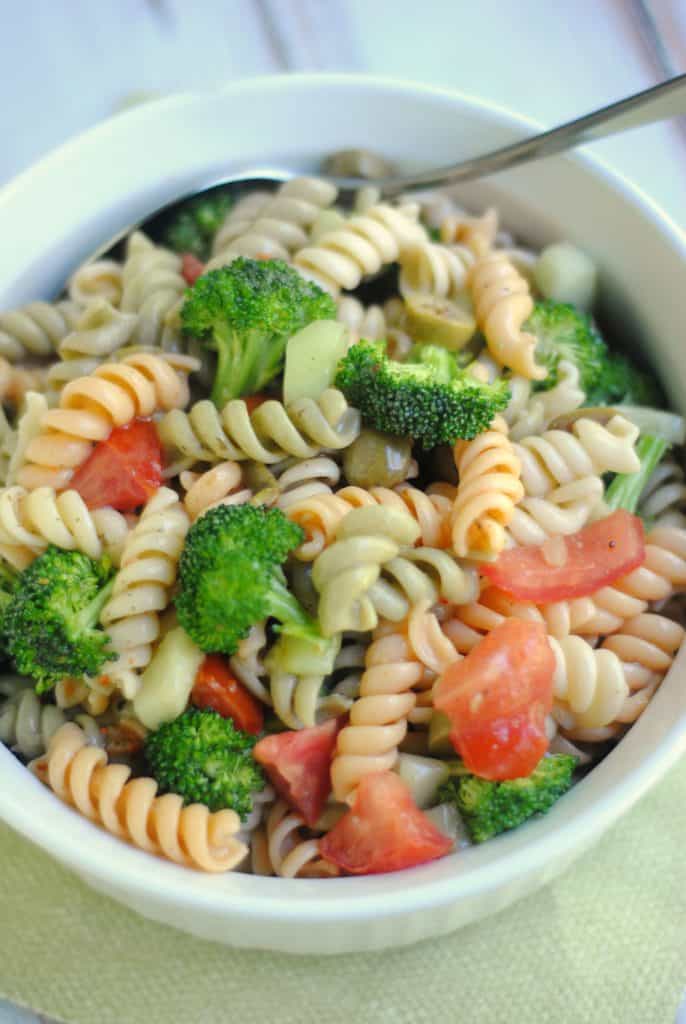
point(298, 765)
point(215, 687)
point(383, 831)
point(124, 470)
point(191, 267)
point(254, 401)
point(497, 699)
point(592, 558)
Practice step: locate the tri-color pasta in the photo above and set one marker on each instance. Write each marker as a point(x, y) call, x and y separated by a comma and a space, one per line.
point(262, 746)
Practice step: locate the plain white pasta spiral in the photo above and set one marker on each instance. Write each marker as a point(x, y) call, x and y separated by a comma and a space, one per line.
point(130, 809)
point(27, 726)
point(532, 412)
point(268, 434)
point(247, 664)
point(142, 588)
point(99, 332)
point(36, 329)
point(30, 520)
point(664, 496)
point(488, 490)
point(563, 511)
point(589, 686)
point(646, 646)
point(152, 287)
point(440, 270)
point(281, 225)
point(282, 847)
point(301, 480)
point(363, 321)
point(590, 448)
point(101, 279)
point(221, 485)
point(90, 407)
point(239, 218)
point(363, 246)
point(319, 515)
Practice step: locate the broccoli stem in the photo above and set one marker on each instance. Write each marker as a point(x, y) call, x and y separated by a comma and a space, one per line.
point(626, 488)
point(294, 620)
point(89, 615)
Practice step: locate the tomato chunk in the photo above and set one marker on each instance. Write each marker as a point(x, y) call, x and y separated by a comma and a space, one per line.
point(254, 401)
point(124, 470)
point(191, 267)
point(383, 831)
point(298, 765)
point(497, 699)
point(592, 558)
point(215, 687)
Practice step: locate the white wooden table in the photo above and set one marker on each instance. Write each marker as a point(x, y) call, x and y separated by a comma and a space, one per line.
point(68, 64)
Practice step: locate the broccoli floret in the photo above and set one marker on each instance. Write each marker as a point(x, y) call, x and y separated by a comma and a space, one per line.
point(231, 577)
point(627, 488)
point(246, 312)
point(206, 760)
point(489, 808)
point(196, 224)
point(620, 381)
point(430, 400)
point(563, 332)
point(8, 583)
point(51, 623)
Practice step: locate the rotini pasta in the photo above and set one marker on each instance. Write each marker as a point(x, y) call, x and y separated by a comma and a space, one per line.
point(30, 520)
point(502, 303)
point(36, 329)
point(152, 286)
point(441, 270)
point(364, 245)
point(130, 809)
point(378, 718)
point(662, 574)
point(321, 514)
point(267, 435)
point(590, 448)
point(280, 226)
point(99, 280)
point(489, 488)
point(142, 588)
point(375, 632)
point(99, 332)
point(664, 497)
point(114, 394)
point(285, 847)
point(27, 726)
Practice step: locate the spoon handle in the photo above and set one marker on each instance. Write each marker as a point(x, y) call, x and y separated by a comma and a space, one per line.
point(656, 104)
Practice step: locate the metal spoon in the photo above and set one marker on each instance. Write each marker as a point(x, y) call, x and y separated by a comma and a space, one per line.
point(663, 101)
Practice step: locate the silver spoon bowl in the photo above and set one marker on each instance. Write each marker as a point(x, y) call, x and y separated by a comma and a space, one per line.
point(667, 100)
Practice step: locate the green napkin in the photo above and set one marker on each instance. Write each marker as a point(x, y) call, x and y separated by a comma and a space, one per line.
point(605, 943)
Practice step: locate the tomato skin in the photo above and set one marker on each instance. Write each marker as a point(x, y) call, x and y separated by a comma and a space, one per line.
point(298, 765)
point(191, 268)
point(215, 687)
point(124, 470)
point(383, 831)
point(497, 699)
point(254, 401)
point(597, 555)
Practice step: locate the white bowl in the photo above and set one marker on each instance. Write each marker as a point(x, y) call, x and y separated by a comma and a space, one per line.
point(62, 208)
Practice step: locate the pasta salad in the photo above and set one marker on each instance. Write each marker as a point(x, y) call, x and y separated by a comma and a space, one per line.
point(331, 540)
